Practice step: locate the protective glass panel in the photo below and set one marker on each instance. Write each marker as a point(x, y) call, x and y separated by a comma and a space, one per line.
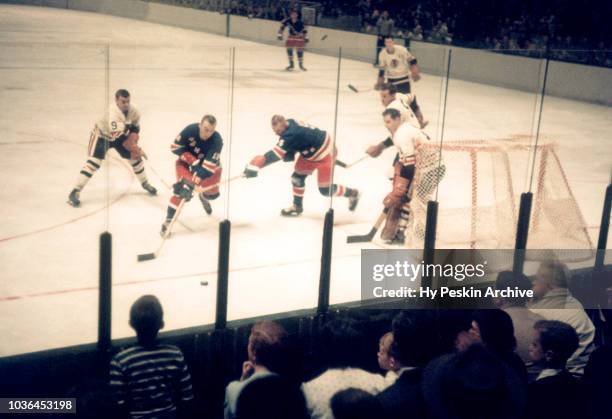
point(490, 111)
point(416, 92)
point(51, 97)
point(572, 168)
point(165, 244)
point(273, 256)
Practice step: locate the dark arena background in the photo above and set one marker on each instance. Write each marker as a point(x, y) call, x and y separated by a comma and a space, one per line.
point(259, 268)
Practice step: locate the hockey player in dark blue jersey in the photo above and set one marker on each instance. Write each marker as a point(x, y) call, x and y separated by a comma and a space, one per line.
point(297, 38)
point(198, 148)
point(315, 151)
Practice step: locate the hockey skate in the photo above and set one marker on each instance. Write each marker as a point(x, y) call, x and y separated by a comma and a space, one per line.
point(164, 227)
point(302, 67)
point(149, 188)
point(73, 198)
point(292, 211)
point(289, 67)
point(205, 203)
point(354, 200)
point(399, 239)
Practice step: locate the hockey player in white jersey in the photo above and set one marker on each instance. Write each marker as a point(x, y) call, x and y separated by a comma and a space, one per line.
point(118, 130)
point(398, 66)
point(405, 103)
point(405, 137)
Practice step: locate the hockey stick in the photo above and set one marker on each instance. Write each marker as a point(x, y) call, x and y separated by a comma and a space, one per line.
point(368, 237)
point(349, 165)
point(149, 256)
point(354, 89)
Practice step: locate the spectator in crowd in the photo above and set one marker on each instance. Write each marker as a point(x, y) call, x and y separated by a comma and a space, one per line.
point(354, 403)
point(455, 330)
point(473, 384)
point(493, 328)
point(150, 379)
point(555, 394)
point(523, 319)
point(341, 341)
point(385, 28)
point(268, 354)
point(598, 382)
point(371, 20)
point(271, 397)
point(553, 301)
point(515, 29)
point(415, 343)
point(386, 361)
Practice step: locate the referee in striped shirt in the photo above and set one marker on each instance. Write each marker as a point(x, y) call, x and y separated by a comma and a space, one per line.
point(150, 380)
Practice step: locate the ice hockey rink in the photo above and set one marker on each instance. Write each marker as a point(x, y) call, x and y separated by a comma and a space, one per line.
point(54, 85)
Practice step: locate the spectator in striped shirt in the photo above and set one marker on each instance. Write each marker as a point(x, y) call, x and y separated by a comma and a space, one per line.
point(150, 380)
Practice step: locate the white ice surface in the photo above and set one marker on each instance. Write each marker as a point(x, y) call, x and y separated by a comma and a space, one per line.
point(53, 88)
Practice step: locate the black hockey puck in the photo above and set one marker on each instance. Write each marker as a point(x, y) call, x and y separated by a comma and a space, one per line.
point(204, 283)
point(324, 37)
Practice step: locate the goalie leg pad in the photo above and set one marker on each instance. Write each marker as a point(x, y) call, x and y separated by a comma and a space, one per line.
point(391, 224)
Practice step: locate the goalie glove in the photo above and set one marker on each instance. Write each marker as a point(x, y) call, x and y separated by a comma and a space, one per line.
point(131, 145)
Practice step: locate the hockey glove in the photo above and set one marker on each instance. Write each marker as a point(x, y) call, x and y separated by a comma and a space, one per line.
point(252, 169)
point(131, 145)
point(183, 190)
point(279, 36)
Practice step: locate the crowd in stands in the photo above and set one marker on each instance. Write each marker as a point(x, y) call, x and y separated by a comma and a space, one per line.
point(525, 359)
point(564, 32)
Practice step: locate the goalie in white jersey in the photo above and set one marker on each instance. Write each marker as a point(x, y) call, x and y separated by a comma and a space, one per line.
point(398, 65)
point(117, 130)
point(405, 137)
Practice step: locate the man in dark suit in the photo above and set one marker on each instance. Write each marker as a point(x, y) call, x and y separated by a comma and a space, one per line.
point(415, 343)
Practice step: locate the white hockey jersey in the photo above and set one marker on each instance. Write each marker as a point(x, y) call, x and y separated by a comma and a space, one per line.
point(405, 139)
point(402, 105)
point(115, 123)
point(397, 63)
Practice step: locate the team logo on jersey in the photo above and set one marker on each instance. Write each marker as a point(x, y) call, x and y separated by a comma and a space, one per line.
point(394, 63)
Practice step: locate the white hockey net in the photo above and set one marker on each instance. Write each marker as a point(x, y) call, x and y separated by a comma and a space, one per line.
point(479, 195)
